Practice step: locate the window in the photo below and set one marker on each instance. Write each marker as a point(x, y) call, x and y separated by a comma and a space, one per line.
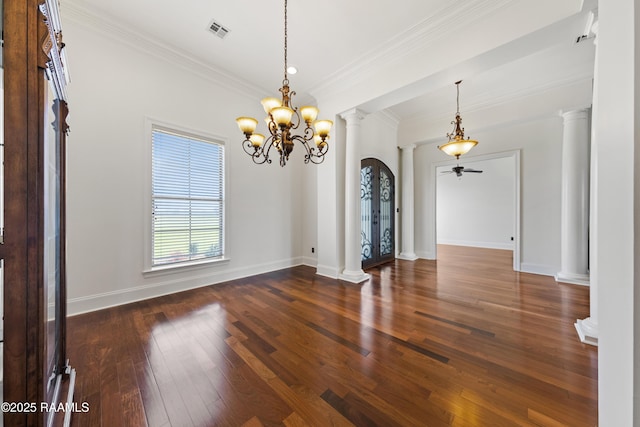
point(187, 197)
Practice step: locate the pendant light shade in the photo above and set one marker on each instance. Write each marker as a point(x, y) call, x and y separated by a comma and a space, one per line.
point(458, 145)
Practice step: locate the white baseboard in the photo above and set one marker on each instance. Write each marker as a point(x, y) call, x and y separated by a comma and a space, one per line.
point(426, 255)
point(327, 271)
point(545, 270)
point(310, 261)
point(407, 256)
point(137, 293)
point(473, 244)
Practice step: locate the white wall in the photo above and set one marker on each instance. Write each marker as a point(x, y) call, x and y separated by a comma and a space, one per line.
point(115, 86)
point(380, 141)
point(477, 209)
point(309, 207)
point(330, 184)
point(616, 125)
point(540, 141)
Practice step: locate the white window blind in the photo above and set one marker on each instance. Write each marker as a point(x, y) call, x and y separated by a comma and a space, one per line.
point(187, 198)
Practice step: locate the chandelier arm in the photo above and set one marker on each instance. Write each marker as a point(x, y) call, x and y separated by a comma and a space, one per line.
point(273, 127)
point(258, 154)
point(296, 124)
point(313, 154)
point(266, 148)
point(308, 133)
point(249, 148)
point(314, 158)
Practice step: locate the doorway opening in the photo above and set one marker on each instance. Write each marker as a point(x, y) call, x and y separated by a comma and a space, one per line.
point(377, 206)
point(477, 206)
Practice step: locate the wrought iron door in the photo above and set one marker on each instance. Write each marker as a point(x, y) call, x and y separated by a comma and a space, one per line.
point(377, 206)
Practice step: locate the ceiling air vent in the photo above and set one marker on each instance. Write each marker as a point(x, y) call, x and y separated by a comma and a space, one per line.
point(218, 29)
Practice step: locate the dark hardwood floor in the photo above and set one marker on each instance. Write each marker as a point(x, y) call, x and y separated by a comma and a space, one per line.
point(463, 341)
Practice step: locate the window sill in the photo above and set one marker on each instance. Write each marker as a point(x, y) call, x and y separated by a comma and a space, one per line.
point(185, 266)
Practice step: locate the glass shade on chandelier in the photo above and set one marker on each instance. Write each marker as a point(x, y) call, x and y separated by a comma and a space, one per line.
point(458, 144)
point(282, 120)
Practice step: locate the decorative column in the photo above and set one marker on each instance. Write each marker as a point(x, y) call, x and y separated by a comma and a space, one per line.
point(408, 250)
point(588, 328)
point(353, 223)
point(574, 242)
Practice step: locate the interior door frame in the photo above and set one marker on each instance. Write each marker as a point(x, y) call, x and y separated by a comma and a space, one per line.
point(515, 155)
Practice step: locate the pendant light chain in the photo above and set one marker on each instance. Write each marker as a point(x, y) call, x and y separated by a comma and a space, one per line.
point(285, 41)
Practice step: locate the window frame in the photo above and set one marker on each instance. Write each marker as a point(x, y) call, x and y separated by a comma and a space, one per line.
point(152, 125)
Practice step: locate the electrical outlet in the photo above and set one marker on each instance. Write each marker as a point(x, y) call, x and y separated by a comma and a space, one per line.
point(313, 250)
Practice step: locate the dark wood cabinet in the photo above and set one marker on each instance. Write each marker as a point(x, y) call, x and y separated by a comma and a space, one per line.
point(33, 249)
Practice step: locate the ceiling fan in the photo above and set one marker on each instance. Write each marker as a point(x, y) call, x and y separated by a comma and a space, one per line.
point(458, 170)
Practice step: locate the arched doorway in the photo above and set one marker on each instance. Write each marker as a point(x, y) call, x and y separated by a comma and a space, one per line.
point(377, 198)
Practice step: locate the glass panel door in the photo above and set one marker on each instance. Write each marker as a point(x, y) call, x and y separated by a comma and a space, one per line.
point(52, 242)
point(366, 209)
point(386, 214)
point(377, 204)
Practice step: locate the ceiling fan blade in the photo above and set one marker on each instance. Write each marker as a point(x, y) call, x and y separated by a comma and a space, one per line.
point(446, 172)
point(472, 170)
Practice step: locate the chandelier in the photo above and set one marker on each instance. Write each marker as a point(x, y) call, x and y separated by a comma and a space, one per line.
point(282, 120)
point(457, 145)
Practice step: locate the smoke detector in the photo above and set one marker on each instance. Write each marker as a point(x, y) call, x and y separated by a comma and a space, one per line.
point(218, 29)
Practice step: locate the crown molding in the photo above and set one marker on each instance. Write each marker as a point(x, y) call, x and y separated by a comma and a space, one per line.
point(388, 117)
point(405, 44)
point(76, 12)
point(502, 102)
point(490, 101)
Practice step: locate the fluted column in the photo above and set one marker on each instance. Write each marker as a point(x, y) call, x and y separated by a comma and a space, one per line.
point(353, 223)
point(574, 241)
point(408, 249)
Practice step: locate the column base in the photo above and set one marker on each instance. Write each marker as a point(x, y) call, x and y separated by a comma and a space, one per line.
point(573, 278)
point(354, 276)
point(587, 331)
point(408, 256)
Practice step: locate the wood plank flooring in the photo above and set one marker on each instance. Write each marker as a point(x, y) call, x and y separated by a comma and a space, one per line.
point(463, 341)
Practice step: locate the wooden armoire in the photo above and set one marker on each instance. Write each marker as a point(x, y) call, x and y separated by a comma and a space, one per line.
point(37, 374)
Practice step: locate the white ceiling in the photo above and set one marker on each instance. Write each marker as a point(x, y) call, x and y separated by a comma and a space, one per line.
point(328, 39)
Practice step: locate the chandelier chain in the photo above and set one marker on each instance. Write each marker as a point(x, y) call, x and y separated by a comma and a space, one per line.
point(285, 40)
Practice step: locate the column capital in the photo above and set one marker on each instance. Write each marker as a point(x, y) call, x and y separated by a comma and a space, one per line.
point(575, 114)
point(353, 115)
point(409, 147)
